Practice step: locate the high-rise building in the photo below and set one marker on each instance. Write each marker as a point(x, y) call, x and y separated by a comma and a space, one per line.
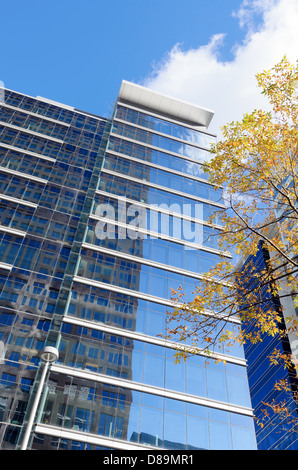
point(279, 429)
point(100, 218)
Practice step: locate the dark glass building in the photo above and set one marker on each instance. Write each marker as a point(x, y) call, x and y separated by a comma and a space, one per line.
point(99, 219)
point(279, 430)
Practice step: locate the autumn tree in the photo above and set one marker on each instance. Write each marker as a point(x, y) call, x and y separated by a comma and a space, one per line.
point(255, 162)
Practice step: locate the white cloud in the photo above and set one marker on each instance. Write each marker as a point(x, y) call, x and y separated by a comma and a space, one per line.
point(229, 88)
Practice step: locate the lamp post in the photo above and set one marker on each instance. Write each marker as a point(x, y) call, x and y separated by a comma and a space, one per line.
point(48, 355)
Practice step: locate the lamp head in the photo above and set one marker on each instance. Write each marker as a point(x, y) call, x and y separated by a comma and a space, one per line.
point(49, 354)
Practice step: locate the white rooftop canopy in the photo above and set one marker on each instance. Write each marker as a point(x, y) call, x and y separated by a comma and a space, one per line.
point(171, 107)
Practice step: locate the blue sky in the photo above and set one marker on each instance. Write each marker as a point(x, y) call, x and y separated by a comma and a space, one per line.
point(78, 52)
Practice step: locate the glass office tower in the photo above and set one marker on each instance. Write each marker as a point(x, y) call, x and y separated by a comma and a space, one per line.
point(100, 218)
point(279, 430)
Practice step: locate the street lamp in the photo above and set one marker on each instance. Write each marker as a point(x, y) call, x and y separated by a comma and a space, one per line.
point(48, 355)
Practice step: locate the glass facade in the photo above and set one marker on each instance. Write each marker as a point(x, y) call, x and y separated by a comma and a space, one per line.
point(99, 220)
point(279, 432)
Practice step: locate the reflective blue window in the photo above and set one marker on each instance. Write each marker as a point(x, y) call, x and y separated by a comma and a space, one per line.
point(216, 384)
point(220, 436)
point(151, 425)
point(198, 433)
point(175, 430)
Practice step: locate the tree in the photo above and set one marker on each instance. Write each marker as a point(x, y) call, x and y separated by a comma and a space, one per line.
point(255, 163)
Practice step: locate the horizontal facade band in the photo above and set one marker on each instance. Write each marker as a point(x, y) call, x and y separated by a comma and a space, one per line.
point(28, 131)
point(161, 134)
point(151, 339)
point(27, 152)
point(19, 201)
point(157, 167)
point(150, 233)
point(12, 231)
point(87, 438)
point(19, 174)
point(140, 295)
point(122, 290)
point(6, 266)
point(162, 392)
point(168, 119)
point(136, 259)
point(40, 116)
point(162, 188)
